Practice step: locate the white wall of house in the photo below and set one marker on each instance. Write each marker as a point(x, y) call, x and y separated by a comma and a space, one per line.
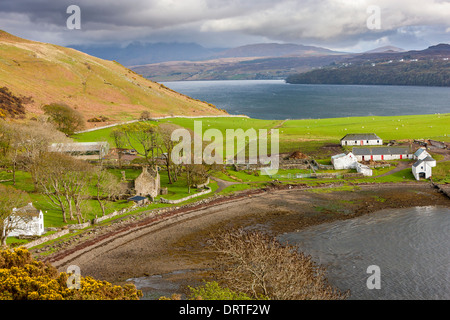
point(424, 168)
point(374, 142)
point(365, 170)
point(421, 155)
point(33, 226)
point(344, 161)
point(383, 157)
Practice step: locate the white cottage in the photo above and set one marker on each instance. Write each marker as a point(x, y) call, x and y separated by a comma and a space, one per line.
point(365, 170)
point(28, 221)
point(422, 168)
point(348, 161)
point(421, 154)
point(344, 161)
point(361, 139)
point(382, 153)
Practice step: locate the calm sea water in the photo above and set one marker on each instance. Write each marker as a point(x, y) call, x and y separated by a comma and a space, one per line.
point(411, 246)
point(275, 99)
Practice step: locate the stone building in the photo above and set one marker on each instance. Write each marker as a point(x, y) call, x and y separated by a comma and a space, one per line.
point(148, 183)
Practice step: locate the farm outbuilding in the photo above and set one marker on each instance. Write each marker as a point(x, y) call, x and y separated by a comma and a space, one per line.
point(82, 150)
point(422, 168)
point(344, 161)
point(361, 139)
point(382, 153)
point(348, 160)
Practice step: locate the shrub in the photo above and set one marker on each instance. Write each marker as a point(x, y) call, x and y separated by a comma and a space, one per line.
point(22, 278)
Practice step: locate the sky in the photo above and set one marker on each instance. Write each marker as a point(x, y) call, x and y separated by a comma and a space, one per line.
point(343, 25)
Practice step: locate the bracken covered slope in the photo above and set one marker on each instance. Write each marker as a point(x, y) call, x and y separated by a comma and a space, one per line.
point(48, 73)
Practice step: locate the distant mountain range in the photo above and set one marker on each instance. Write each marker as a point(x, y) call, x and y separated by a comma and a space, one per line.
point(429, 67)
point(143, 53)
point(189, 61)
point(256, 61)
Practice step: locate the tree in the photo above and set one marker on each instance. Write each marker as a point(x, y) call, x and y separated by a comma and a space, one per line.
point(65, 181)
point(108, 187)
point(120, 141)
point(195, 174)
point(256, 264)
point(65, 118)
point(33, 140)
point(142, 136)
point(10, 198)
point(9, 146)
point(167, 144)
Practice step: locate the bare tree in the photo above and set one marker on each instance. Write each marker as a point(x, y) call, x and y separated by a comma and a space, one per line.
point(10, 198)
point(195, 174)
point(142, 136)
point(257, 264)
point(166, 146)
point(108, 187)
point(120, 141)
point(65, 181)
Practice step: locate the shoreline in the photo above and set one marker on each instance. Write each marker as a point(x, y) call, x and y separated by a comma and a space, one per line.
point(178, 241)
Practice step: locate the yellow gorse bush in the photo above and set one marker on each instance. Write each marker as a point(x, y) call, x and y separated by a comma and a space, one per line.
point(22, 278)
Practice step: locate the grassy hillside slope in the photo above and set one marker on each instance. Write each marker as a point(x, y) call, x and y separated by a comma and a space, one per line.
point(49, 73)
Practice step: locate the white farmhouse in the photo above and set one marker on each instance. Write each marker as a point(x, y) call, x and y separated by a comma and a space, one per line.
point(361, 139)
point(348, 161)
point(344, 161)
point(27, 221)
point(422, 167)
point(421, 154)
point(382, 153)
point(365, 170)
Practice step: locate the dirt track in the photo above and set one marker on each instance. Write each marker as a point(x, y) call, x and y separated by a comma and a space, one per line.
point(179, 240)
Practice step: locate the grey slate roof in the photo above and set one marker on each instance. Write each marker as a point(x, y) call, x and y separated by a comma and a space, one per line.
point(374, 151)
point(361, 136)
point(419, 152)
point(418, 163)
point(428, 159)
point(137, 198)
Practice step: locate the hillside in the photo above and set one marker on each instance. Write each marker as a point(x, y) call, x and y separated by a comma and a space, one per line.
point(244, 68)
point(47, 73)
point(249, 62)
point(429, 67)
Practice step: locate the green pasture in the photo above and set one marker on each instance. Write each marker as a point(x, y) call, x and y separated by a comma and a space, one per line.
point(311, 135)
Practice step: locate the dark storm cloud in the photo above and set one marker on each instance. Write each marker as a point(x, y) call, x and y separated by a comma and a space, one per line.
point(339, 23)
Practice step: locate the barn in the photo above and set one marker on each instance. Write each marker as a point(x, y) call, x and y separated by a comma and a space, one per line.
point(344, 161)
point(382, 153)
point(422, 168)
point(82, 150)
point(361, 139)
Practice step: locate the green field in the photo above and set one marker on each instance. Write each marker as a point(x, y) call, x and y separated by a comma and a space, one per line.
point(310, 135)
